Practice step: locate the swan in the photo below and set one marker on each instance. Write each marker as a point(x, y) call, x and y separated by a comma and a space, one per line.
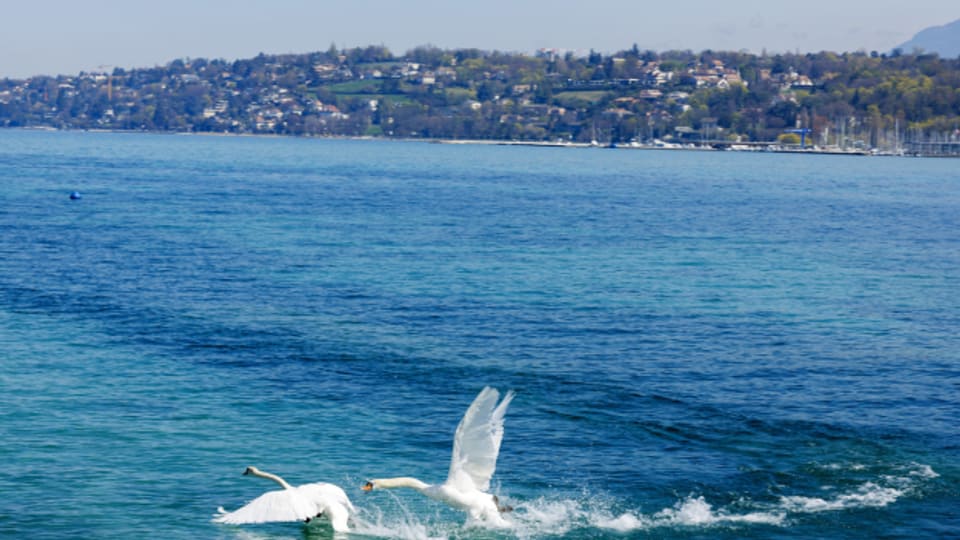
point(475, 448)
point(300, 503)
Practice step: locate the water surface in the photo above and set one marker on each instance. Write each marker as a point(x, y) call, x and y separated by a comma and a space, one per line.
point(703, 345)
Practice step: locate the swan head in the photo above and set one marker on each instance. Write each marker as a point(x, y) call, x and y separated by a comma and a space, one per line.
point(369, 486)
point(250, 470)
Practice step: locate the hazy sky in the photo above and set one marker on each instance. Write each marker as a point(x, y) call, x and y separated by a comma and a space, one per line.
point(68, 36)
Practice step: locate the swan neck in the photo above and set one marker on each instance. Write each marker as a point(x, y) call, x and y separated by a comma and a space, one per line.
point(401, 482)
point(273, 477)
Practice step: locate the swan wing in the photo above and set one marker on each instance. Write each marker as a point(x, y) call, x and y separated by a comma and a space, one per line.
point(331, 501)
point(281, 505)
point(325, 493)
point(477, 441)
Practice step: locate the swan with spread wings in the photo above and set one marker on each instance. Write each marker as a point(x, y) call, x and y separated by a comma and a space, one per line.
point(475, 449)
point(293, 503)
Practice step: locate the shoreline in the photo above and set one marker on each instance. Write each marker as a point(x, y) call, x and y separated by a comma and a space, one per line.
point(755, 148)
point(761, 148)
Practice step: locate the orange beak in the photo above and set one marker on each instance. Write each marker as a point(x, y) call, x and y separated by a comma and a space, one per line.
point(368, 486)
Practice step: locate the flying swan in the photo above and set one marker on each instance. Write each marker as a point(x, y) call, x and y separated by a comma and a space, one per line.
point(475, 448)
point(300, 503)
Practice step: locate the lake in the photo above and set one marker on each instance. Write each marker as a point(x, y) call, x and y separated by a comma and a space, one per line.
point(702, 344)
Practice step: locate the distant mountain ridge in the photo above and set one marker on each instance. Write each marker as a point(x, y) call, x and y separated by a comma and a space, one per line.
point(943, 40)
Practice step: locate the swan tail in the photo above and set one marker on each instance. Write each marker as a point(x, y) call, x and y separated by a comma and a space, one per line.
point(339, 515)
point(221, 515)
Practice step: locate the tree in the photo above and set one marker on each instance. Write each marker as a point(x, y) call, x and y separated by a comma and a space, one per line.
point(595, 58)
point(790, 139)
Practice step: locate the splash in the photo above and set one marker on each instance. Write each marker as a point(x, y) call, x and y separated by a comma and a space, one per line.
point(544, 517)
point(401, 523)
point(557, 516)
point(624, 523)
point(547, 517)
point(866, 496)
point(554, 517)
point(690, 512)
point(924, 472)
point(887, 490)
point(697, 512)
point(401, 529)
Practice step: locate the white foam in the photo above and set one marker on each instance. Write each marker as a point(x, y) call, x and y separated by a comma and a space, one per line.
point(692, 511)
point(887, 490)
point(624, 523)
point(925, 472)
point(696, 511)
point(559, 516)
point(844, 466)
point(867, 495)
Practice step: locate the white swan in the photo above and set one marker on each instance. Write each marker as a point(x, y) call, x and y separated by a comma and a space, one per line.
point(300, 503)
point(475, 448)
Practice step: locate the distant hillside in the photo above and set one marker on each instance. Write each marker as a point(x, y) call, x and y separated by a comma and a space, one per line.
point(852, 100)
point(943, 40)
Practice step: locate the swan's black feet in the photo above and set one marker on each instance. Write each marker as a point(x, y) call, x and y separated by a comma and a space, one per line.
point(502, 509)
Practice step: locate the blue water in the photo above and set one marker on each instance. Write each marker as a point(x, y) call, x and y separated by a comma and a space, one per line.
point(703, 345)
